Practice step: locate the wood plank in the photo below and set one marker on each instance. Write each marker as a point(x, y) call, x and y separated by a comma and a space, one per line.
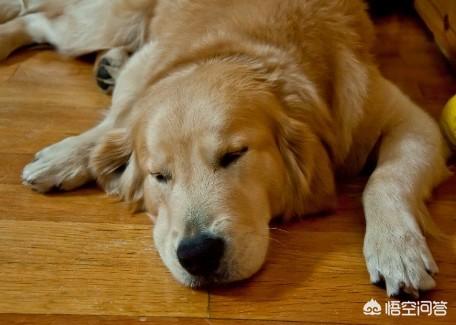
point(48, 68)
point(88, 269)
point(442, 6)
point(316, 276)
point(29, 141)
point(18, 319)
point(89, 205)
point(436, 16)
point(7, 71)
point(451, 11)
point(48, 101)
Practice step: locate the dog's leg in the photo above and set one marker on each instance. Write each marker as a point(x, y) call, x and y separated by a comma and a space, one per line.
point(411, 162)
point(26, 30)
point(64, 165)
point(76, 27)
point(13, 35)
point(108, 66)
point(9, 9)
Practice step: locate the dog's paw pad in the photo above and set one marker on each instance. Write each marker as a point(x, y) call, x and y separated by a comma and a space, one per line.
point(104, 75)
point(108, 68)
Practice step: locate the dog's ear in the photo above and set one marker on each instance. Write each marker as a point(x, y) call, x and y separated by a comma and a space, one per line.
point(132, 184)
point(114, 165)
point(111, 153)
point(305, 138)
point(310, 184)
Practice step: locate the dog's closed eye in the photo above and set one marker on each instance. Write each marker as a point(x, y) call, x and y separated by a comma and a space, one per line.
point(231, 157)
point(161, 177)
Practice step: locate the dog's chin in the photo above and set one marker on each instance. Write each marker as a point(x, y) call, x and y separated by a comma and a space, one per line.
point(200, 282)
point(223, 276)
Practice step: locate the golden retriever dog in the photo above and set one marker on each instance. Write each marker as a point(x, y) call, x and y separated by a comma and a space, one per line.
point(227, 113)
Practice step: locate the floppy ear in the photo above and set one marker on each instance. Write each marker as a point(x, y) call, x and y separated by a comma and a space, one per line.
point(310, 187)
point(114, 165)
point(305, 138)
point(111, 153)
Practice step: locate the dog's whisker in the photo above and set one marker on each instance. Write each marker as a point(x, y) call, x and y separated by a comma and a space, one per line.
point(270, 238)
point(277, 241)
point(279, 229)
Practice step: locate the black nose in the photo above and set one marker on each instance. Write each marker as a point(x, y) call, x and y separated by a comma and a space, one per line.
point(201, 255)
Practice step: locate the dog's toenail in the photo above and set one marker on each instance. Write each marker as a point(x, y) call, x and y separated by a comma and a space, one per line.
point(56, 188)
point(104, 86)
point(405, 296)
point(380, 284)
point(105, 61)
point(102, 73)
point(395, 294)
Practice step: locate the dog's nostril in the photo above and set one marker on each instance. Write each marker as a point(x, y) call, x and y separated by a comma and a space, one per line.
point(201, 255)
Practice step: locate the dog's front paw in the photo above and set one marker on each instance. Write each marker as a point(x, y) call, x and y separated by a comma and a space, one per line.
point(403, 262)
point(62, 166)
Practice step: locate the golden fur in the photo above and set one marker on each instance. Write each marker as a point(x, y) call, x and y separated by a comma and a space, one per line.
point(289, 86)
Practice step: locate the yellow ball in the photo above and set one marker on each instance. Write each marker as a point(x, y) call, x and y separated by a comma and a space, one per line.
point(448, 120)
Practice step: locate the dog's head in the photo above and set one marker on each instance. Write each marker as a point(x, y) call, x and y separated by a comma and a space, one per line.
point(213, 155)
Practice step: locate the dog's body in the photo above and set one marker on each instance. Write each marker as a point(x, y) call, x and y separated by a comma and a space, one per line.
point(232, 112)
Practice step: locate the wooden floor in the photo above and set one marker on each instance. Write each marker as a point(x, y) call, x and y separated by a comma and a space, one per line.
point(82, 258)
